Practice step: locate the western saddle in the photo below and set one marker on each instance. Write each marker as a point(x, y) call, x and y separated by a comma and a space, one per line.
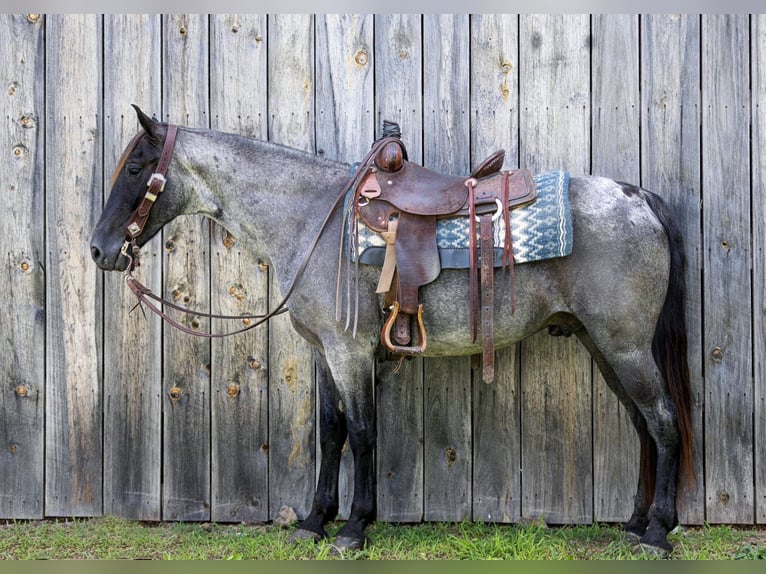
point(402, 201)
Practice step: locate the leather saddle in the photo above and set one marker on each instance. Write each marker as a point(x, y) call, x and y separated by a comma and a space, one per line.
point(402, 201)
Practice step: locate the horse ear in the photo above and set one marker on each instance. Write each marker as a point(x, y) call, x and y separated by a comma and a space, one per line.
point(152, 127)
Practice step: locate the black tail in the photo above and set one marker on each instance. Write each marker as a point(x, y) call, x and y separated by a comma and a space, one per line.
point(669, 346)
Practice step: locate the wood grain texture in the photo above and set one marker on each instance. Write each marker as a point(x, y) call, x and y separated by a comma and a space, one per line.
point(399, 401)
point(496, 416)
point(292, 393)
point(187, 359)
point(22, 310)
point(616, 143)
point(399, 78)
point(556, 382)
point(727, 251)
point(345, 123)
point(670, 167)
point(132, 343)
point(239, 285)
point(758, 35)
point(73, 432)
point(446, 148)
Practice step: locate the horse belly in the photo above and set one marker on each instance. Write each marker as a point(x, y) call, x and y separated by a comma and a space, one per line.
point(447, 317)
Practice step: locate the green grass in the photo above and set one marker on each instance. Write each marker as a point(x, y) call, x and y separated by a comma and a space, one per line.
point(115, 538)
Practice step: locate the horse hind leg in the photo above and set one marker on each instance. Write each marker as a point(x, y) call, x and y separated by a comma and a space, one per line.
point(644, 383)
point(636, 525)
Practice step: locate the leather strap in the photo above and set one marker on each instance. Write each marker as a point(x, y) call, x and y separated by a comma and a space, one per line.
point(154, 187)
point(487, 297)
point(389, 263)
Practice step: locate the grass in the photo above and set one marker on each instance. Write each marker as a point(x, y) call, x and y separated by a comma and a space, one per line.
point(115, 538)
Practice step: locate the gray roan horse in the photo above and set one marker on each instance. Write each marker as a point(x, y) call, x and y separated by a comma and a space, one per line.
point(621, 292)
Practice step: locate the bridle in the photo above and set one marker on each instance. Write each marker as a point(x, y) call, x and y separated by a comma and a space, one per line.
point(137, 221)
point(135, 227)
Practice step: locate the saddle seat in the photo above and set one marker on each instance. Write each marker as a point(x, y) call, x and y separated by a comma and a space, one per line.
point(402, 201)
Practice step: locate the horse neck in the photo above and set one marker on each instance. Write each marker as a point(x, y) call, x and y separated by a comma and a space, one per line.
point(270, 196)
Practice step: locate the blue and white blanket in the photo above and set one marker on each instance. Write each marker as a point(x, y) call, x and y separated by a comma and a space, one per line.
point(542, 230)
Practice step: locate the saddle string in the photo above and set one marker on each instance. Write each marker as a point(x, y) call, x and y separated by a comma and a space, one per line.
point(349, 236)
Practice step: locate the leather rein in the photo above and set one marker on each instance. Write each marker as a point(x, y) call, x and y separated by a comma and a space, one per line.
point(135, 226)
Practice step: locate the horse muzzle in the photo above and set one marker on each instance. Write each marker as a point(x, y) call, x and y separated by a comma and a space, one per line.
point(108, 255)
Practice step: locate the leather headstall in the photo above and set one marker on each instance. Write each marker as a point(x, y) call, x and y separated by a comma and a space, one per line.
point(156, 185)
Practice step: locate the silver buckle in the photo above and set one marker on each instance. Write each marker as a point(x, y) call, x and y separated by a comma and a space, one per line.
point(157, 177)
point(134, 229)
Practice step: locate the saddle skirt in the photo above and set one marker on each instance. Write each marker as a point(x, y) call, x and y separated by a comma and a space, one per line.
point(541, 230)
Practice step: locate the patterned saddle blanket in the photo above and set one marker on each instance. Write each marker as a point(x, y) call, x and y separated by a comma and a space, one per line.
point(542, 230)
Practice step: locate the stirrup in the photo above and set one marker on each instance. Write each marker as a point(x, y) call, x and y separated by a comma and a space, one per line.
point(400, 349)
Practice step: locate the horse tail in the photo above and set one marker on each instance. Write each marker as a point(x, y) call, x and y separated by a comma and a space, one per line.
point(669, 346)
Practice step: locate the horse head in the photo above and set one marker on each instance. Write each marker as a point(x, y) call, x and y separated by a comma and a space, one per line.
point(139, 202)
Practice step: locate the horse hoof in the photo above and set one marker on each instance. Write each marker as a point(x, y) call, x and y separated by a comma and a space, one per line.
point(344, 543)
point(301, 534)
point(632, 537)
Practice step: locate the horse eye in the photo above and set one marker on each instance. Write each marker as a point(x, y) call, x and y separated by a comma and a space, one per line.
point(134, 169)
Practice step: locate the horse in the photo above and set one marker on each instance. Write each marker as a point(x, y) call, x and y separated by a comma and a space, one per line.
point(620, 291)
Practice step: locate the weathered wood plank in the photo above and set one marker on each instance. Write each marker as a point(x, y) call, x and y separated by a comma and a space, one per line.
point(670, 166)
point(496, 416)
point(398, 97)
point(758, 36)
point(727, 286)
point(292, 393)
point(344, 123)
point(73, 432)
point(186, 389)
point(132, 342)
point(446, 148)
point(616, 126)
point(555, 374)
point(240, 381)
point(22, 310)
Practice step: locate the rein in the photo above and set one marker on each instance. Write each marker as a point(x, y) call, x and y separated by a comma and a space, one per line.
point(138, 219)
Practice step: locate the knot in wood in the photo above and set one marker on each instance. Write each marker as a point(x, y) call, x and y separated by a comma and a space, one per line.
point(361, 58)
point(22, 391)
point(175, 393)
point(232, 390)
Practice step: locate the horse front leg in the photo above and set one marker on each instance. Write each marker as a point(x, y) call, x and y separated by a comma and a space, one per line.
point(332, 436)
point(357, 397)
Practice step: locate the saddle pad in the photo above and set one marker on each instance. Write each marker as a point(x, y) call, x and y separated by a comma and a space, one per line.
point(542, 230)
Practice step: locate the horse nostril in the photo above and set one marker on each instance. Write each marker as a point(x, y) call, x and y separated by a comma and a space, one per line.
point(95, 252)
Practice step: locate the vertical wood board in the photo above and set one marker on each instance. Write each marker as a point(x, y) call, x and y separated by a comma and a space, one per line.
point(447, 382)
point(22, 310)
point(758, 36)
point(344, 124)
point(615, 152)
point(496, 492)
point(554, 76)
point(73, 431)
point(399, 404)
point(239, 285)
point(727, 288)
point(132, 344)
point(187, 359)
point(292, 393)
point(670, 167)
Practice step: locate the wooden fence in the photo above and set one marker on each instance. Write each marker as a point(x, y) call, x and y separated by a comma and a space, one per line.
point(103, 411)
